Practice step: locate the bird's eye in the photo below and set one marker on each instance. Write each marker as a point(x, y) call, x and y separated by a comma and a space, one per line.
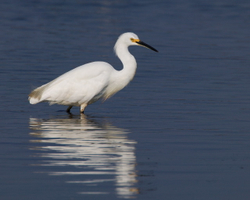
point(132, 39)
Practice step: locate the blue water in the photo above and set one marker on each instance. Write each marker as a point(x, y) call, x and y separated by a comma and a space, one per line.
point(180, 130)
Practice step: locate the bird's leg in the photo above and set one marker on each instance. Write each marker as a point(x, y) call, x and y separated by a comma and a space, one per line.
point(83, 106)
point(68, 109)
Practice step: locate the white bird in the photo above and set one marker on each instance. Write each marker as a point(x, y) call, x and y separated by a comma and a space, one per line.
point(88, 83)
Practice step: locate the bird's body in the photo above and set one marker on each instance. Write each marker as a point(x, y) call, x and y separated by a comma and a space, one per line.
point(88, 83)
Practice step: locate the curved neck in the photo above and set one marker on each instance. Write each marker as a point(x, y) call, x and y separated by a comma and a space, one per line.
point(128, 61)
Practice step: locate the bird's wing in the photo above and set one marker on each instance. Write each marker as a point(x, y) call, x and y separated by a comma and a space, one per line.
point(79, 85)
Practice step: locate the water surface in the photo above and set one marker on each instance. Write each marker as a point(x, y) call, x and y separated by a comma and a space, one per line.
point(180, 130)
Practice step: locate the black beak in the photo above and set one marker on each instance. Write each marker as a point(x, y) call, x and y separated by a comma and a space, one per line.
point(146, 45)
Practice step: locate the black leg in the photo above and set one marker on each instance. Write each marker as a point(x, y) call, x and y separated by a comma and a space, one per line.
point(68, 109)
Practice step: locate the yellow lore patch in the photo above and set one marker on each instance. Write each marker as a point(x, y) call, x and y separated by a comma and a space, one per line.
point(134, 40)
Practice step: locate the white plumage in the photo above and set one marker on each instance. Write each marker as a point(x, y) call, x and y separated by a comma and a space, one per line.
point(90, 82)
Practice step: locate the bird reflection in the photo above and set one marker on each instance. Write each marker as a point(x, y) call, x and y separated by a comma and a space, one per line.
point(87, 147)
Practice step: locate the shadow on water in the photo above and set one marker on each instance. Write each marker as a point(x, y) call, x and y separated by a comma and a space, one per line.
point(86, 152)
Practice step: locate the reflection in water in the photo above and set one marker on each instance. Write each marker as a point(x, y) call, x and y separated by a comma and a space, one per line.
point(89, 148)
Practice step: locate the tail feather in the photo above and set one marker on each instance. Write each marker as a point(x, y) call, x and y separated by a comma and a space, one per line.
point(35, 95)
point(33, 100)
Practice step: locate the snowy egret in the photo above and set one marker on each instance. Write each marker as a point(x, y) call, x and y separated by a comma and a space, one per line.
point(88, 83)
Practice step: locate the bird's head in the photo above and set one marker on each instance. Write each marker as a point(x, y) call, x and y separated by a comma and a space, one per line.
point(132, 39)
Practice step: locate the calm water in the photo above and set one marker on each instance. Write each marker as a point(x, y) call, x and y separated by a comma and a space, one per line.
point(180, 130)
